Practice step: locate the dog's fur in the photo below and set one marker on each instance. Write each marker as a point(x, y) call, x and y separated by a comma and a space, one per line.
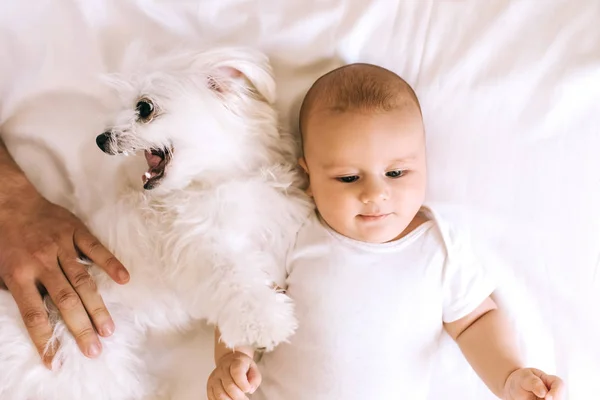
point(206, 242)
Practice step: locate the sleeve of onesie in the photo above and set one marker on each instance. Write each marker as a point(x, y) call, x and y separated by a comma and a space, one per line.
point(465, 282)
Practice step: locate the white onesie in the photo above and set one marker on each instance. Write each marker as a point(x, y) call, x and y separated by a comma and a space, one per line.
point(370, 315)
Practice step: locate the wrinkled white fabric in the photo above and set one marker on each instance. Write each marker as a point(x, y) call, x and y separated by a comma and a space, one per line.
point(510, 93)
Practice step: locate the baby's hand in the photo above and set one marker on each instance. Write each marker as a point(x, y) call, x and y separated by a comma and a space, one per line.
point(235, 375)
point(532, 384)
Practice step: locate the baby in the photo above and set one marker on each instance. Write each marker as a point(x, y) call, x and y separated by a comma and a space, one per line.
point(376, 277)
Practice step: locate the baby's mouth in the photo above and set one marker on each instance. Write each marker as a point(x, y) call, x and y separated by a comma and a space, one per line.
point(373, 217)
point(157, 160)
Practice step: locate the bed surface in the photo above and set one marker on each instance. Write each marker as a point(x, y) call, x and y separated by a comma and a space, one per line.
point(511, 98)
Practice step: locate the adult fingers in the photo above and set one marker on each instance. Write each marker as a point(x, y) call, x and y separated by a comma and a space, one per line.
point(87, 244)
point(72, 311)
point(85, 286)
point(29, 301)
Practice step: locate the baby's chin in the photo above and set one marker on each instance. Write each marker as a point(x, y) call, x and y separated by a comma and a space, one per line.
point(379, 238)
point(376, 235)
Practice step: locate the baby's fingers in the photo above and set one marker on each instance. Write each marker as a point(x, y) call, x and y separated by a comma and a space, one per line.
point(557, 388)
point(555, 385)
point(535, 385)
point(232, 389)
point(254, 377)
point(239, 374)
point(219, 392)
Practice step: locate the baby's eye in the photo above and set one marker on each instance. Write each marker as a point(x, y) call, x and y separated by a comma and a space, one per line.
point(348, 179)
point(394, 174)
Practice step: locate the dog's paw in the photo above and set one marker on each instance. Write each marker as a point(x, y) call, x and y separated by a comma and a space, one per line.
point(261, 321)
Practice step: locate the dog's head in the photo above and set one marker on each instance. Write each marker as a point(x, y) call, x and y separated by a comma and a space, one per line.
point(195, 117)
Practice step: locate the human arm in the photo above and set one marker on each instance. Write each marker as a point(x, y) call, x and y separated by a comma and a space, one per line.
point(40, 243)
point(235, 373)
point(488, 343)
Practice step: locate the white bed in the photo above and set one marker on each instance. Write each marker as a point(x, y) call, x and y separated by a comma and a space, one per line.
point(511, 97)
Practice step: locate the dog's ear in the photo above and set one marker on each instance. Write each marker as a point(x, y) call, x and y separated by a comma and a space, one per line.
point(240, 71)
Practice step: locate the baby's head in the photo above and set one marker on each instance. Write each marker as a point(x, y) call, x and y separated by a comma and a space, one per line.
point(364, 152)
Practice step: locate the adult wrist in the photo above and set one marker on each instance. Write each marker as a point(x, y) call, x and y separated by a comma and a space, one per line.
point(16, 189)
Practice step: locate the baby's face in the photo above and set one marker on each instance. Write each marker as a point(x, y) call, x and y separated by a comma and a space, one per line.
point(367, 171)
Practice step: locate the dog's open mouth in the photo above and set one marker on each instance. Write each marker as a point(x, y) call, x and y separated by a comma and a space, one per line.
point(157, 160)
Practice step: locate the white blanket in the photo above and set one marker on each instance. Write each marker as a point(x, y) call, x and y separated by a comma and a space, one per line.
point(511, 99)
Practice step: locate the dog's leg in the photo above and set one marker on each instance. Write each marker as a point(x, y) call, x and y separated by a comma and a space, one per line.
point(247, 306)
point(259, 317)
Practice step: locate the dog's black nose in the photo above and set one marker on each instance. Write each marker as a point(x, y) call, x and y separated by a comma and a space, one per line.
point(102, 139)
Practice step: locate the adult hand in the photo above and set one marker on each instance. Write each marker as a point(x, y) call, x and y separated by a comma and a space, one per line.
point(40, 243)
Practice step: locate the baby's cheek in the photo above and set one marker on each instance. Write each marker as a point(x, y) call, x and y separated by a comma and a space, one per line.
point(413, 187)
point(324, 194)
point(331, 210)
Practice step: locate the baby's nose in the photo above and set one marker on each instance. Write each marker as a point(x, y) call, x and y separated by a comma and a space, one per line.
point(374, 192)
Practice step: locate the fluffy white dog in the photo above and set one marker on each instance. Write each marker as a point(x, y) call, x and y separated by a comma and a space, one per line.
point(201, 213)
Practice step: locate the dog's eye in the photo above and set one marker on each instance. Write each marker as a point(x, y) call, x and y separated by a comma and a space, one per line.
point(145, 109)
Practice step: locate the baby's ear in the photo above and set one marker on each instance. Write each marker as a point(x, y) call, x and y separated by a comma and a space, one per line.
point(302, 163)
point(237, 70)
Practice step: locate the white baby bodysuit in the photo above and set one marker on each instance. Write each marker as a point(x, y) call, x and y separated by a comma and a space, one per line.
point(370, 315)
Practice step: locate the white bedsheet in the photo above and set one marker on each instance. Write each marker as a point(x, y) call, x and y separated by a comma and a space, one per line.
point(511, 97)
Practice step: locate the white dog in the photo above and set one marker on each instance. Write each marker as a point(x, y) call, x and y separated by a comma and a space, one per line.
point(201, 214)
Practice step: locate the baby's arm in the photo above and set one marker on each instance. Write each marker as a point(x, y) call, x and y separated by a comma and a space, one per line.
point(235, 373)
point(488, 343)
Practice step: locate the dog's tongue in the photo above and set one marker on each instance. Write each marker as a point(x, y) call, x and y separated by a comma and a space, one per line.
point(153, 162)
point(152, 159)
